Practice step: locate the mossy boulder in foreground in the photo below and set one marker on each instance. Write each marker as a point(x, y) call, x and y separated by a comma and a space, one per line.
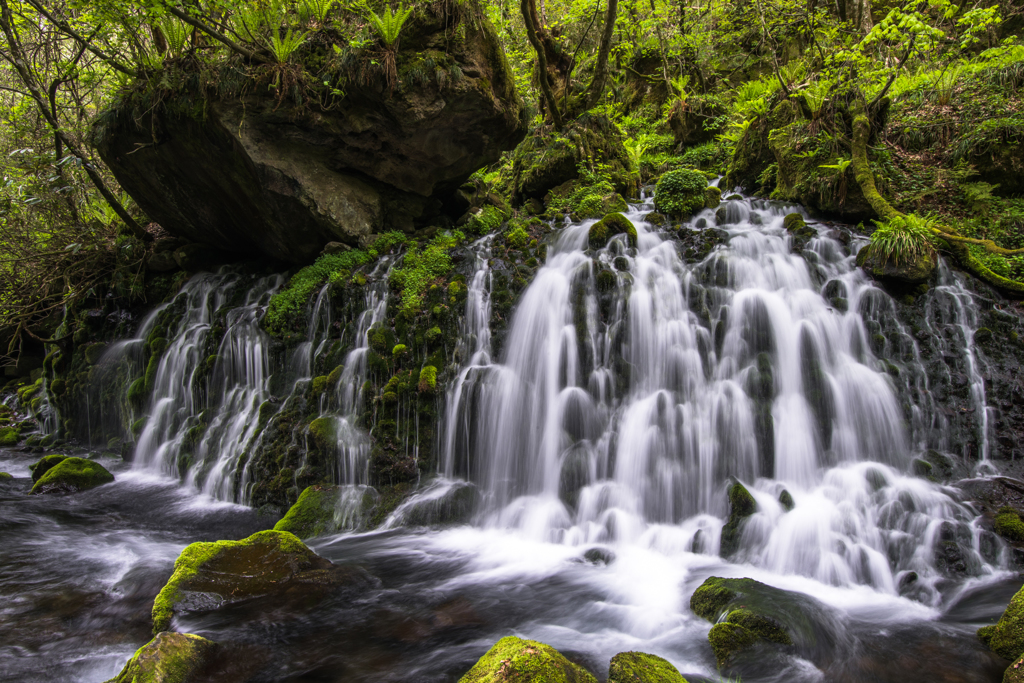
point(212, 575)
point(168, 658)
point(514, 660)
point(609, 226)
point(44, 465)
point(71, 475)
point(640, 667)
point(1006, 638)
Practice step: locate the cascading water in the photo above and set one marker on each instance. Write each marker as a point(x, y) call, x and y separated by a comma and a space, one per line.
point(207, 395)
point(634, 387)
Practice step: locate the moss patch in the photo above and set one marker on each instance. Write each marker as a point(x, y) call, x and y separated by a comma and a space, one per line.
point(525, 661)
point(609, 226)
point(1009, 525)
point(71, 475)
point(44, 465)
point(742, 505)
point(313, 513)
point(681, 192)
point(640, 667)
point(9, 436)
point(727, 639)
point(428, 380)
point(1006, 638)
point(168, 658)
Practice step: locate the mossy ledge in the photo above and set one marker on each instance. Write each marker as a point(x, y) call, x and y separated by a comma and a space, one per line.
point(525, 661)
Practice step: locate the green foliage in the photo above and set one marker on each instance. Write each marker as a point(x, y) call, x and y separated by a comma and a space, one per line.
point(517, 238)
point(284, 46)
point(421, 268)
point(176, 32)
point(486, 220)
point(388, 25)
point(680, 192)
point(428, 380)
point(1006, 638)
point(1008, 524)
point(902, 241)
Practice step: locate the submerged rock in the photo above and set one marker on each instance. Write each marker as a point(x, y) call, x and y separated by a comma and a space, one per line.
point(71, 475)
point(515, 660)
point(212, 575)
point(168, 658)
point(640, 667)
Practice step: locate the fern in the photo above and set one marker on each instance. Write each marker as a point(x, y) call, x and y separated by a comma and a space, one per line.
point(176, 33)
point(839, 167)
point(635, 151)
point(317, 10)
point(248, 22)
point(283, 47)
point(389, 24)
point(902, 241)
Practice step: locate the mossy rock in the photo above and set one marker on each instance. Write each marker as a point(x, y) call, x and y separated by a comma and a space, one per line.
point(9, 436)
point(58, 387)
point(428, 380)
point(319, 385)
point(212, 575)
point(786, 500)
point(44, 465)
point(895, 275)
point(760, 614)
point(742, 505)
point(137, 392)
point(6, 476)
point(314, 513)
point(655, 218)
point(712, 197)
point(71, 475)
point(1008, 524)
point(1006, 638)
point(334, 376)
point(94, 352)
point(515, 660)
point(324, 433)
point(1015, 672)
point(609, 226)
point(681, 193)
point(168, 658)
point(640, 667)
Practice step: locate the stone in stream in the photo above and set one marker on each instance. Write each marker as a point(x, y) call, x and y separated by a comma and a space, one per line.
point(754, 621)
point(268, 564)
point(314, 513)
point(1006, 638)
point(525, 661)
point(71, 475)
point(742, 505)
point(44, 465)
point(640, 667)
point(168, 658)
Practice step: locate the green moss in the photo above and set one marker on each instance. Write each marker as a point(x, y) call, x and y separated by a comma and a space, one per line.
point(727, 639)
point(286, 306)
point(742, 505)
point(9, 436)
point(433, 334)
point(44, 465)
point(1006, 638)
point(712, 197)
point(319, 385)
point(313, 513)
point(138, 426)
point(26, 392)
point(681, 192)
point(786, 500)
point(428, 379)
point(640, 667)
point(168, 658)
point(609, 226)
point(58, 387)
point(5, 476)
point(71, 475)
point(324, 433)
point(1008, 524)
point(193, 557)
point(420, 268)
point(398, 351)
point(332, 379)
point(713, 596)
point(137, 392)
point(486, 220)
point(517, 237)
point(527, 661)
point(762, 626)
point(267, 410)
point(93, 353)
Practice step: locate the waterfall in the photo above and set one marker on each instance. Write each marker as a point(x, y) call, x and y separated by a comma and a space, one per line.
point(634, 387)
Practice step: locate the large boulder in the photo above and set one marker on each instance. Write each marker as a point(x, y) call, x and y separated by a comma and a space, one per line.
point(44, 465)
point(71, 475)
point(514, 660)
point(243, 170)
point(209, 576)
point(168, 658)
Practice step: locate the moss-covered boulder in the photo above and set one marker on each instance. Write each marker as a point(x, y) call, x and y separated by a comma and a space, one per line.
point(747, 613)
point(1008, 524)
point(712, 197)
point(168, 658)
point(515, 660)
point(71, 475)
point(317, 512)
point(9, 436)
point(898, 275)
point(1006, 638)
point(6, 476)
point(208, 576)
point(609, 226)
point(741, 505)
point(323, 432)
point(1015, 672)
point(681, 193)
point(44, 465)
point(640, 667)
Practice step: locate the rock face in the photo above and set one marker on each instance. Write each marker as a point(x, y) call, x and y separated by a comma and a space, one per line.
point(213, 575)
point(525, 661)
point(168, 658)
point(71, 475)
point(252, 174)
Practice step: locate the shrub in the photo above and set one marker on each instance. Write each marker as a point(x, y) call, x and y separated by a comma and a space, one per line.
point(902, 241)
